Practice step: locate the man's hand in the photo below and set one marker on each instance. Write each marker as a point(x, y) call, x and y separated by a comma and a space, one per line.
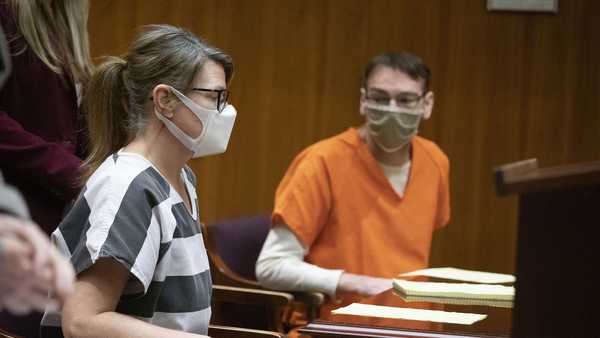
point(30, 268)
point(363, 285)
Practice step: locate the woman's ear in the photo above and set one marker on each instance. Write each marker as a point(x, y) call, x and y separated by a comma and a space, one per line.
point(163, 100)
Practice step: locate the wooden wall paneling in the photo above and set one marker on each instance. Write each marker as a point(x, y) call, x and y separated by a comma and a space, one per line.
point(110, 25)
point(584, 105)
point(508, 86)
point(233, 180)
point(547, 88)
point(500, 139)
point(462, 122)
point(345, 39)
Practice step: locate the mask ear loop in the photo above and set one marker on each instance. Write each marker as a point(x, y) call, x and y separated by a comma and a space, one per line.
point(192, 107)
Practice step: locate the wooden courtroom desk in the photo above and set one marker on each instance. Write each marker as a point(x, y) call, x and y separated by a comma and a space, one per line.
point(558, 284)
point(497, 324)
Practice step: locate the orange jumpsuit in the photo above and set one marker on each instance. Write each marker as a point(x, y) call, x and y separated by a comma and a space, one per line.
point(338, 202)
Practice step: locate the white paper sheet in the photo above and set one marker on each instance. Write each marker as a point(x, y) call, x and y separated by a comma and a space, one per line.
point(358, 309)
point(464, 275)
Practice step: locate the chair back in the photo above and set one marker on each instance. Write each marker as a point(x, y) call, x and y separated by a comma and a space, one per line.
point(233, 247)
point(238, 242)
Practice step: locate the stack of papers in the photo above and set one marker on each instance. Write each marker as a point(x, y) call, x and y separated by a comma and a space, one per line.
point(458, 301)
point(456, 293)
point(463, 275)
point(410, 314)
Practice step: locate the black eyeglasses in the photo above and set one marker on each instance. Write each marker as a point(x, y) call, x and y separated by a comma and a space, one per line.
point(219, 102)
point(221, 97)
point(404, 100)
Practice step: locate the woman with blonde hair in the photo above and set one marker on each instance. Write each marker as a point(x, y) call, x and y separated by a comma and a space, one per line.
point(133, 233)
point(40, 123)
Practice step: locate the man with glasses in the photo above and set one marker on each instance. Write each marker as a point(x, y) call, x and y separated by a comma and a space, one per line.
point(357, 209)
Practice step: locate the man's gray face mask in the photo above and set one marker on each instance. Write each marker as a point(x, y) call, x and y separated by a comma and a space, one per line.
point(391, 127)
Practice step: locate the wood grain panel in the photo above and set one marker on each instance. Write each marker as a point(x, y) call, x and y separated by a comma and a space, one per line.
point(508, 86)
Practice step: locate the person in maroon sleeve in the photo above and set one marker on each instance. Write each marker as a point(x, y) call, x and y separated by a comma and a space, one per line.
point(40, 134)
point(40, 123)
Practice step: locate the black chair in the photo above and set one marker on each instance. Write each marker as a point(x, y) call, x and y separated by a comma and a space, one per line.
point(233, 247)
point(238, 242)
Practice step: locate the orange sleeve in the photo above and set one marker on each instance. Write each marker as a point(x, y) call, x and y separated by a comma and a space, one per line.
point(443, 212)
point(303, 198)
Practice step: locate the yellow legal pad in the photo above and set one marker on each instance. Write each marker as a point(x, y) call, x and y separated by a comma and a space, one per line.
point(463, 275)
point(357, 309)
point(454, 290)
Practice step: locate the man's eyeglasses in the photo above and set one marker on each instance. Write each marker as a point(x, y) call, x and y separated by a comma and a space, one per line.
point(403, 100)
point(214, 98)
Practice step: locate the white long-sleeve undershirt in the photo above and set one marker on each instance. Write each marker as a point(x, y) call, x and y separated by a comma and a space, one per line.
point(281, 266)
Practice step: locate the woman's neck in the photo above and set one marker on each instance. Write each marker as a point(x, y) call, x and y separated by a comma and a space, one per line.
point(165, 152)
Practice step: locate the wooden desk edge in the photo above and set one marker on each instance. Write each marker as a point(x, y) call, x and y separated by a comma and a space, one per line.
point(543, 179)
point(325, 329)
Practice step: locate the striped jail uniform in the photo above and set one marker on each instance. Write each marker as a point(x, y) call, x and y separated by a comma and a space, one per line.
point(128, 212)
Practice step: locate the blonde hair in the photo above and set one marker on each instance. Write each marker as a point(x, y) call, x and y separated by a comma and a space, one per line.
point(56, 31)
point(122, 86)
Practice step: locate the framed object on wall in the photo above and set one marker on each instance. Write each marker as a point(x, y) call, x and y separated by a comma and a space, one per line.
point(548, 6)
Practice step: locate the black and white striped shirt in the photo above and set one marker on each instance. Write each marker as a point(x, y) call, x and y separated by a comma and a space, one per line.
point(129, 212)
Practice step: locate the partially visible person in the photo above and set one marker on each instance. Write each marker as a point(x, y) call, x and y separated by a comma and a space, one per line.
point(133, 234)
point(30, 267)
point(355, 210)
point(40, 125)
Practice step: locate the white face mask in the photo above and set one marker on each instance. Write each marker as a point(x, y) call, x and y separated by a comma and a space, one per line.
point(391, 127)
point(216, 128)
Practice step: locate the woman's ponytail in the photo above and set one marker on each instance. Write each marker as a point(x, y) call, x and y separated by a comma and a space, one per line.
point(104, 108)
